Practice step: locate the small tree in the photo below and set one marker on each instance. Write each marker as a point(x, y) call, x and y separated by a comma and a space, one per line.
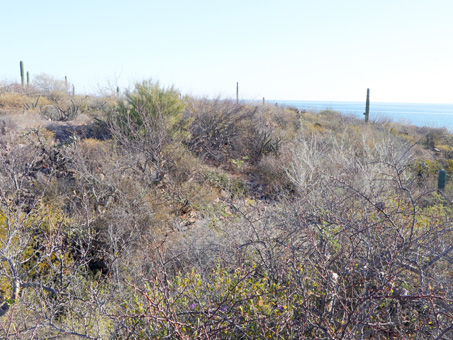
point(147, 122)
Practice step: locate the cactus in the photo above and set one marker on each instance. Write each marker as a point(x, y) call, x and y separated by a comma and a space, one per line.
point(66, 83)
point(441, 180)
point(33, 106)
point(117, 91)
point(237, 93)
point(22, 73)
point(73, 90)
point(367, 106)
point(28, 79)
point(61, 113)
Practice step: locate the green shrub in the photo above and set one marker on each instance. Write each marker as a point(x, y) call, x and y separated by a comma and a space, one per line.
point(233, 186)
point(148, 122)
point(226, 304)
point(149, 108)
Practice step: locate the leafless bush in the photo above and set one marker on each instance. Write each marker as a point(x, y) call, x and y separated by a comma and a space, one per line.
point(361, 160)
point(217, 130)
point(47, 84)
point(222, 130)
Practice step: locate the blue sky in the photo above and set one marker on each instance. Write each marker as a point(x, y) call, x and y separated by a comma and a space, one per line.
point(286, 49)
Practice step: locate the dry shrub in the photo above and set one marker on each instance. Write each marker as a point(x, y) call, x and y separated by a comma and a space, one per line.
point(229, 185)
point(43, 101)
point(25, 120)
point(283, 123)
point(125, 213)
point(15, 100)
point(93, 148)
point(326, 121)
point(434, 136)
point(357, 158)
point(315, 128)
point(222, 131)
point(7, 126)
point(272, 179)
point(185, 180)
point(57, 96)
point(195, 195)
point(180, 164)
point(219, 129)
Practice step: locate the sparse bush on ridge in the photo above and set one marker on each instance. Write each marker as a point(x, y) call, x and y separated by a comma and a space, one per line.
point(190, 218)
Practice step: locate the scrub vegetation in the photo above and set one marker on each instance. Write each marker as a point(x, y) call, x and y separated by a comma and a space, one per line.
point(153, 215)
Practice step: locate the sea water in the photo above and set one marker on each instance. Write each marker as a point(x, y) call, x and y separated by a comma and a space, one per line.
point(431, 115)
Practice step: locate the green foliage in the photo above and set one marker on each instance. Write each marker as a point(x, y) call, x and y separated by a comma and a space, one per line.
point(239, 162)
point(149, 107)
point(265, 143)
point(44, 229)
point(226, 304)
point(233, 186)
point(150, 123)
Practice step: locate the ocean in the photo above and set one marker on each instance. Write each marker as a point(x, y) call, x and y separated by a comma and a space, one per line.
point(432, 115)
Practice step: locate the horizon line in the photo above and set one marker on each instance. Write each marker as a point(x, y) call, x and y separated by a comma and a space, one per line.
point(352, 101)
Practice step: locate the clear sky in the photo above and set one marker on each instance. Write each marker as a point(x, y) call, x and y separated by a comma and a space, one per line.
point(286, 49)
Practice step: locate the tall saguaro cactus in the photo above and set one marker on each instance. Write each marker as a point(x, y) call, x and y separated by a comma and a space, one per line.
point(22, 79)
point(441, 180)
point(28, 79)
point(237, 93)
point(367, 106)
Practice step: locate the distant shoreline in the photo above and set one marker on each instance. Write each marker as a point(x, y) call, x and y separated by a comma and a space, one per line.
point(431, 115)
point(350, 101)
